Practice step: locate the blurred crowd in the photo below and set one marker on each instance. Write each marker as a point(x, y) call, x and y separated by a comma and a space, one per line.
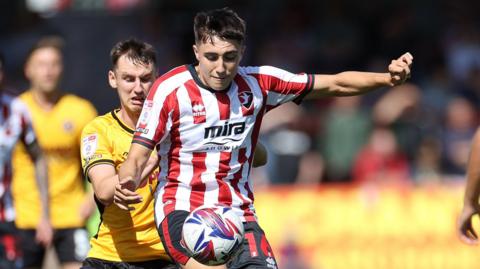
point(416, 133)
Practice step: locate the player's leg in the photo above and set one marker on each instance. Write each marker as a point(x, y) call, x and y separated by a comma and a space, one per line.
point(32, 252)
point(255, 251)
point(72, 247)
point(170, 231)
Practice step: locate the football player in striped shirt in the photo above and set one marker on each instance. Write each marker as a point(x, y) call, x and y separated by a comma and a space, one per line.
point(204, 119)
point(16, 126)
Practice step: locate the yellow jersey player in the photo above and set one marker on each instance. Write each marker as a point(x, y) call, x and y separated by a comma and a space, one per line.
point(125, 239)
point(58, 119)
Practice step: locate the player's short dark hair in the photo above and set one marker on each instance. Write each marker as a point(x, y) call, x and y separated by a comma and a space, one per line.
point(54, 42)
point(223, 23)
point(137, 51)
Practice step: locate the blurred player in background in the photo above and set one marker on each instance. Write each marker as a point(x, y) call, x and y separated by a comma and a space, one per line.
point(58, 119)
point(204, 121)
point(15, 126)
point(471, 204)
point(124, 239)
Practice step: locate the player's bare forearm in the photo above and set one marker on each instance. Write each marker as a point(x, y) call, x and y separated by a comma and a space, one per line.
point(103, 178)
point(150, 166)
point(355, 83)
point(41, 173)
point(41, 176)
point(130, 177)
point(348, 83)
point(472, 190)
point(132, 168)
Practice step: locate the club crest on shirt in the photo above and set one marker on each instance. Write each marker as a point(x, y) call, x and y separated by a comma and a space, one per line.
point(246, 98)
point(68, 126)
point(89, 145)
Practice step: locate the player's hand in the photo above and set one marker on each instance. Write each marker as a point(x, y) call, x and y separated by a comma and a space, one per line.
point(399, 69)
point(125, 194)
point(44, 232)
point(466, 232)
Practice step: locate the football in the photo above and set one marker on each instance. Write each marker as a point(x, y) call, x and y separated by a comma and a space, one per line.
point(212, 234)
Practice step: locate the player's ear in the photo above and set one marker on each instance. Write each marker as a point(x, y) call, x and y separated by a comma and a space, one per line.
point(112, 79)
point(195, 50)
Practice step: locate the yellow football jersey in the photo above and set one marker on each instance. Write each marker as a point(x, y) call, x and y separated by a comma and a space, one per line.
point(129, 236)
point(58, 131)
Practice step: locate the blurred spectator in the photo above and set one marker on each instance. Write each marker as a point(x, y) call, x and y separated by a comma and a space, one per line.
point(428, 161)
point(462, 48)
point(285, 143)
point(58, 119)
point(460, 125)
point(346, 126)
point(381, 161)
point(399, 110)
point(437, 88)
point(311, 168)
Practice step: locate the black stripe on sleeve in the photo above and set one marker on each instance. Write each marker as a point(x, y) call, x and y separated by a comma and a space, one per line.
point(307, 90)
point(92, 164)
point(144, 142)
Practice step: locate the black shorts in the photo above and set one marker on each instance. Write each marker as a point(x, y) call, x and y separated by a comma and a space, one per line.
point(10, 257)
point(71, 245)
point(254, 253)
point(94, 263)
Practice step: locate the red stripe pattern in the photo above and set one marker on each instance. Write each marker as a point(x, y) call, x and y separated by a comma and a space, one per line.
point(198, 187)
point(206, 138)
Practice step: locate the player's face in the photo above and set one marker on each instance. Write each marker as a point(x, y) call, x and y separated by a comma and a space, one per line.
point(218, 61)
point(44, 69)
point(132, 81)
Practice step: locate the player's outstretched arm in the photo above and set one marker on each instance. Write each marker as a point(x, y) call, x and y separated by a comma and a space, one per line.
point(130, 176)
point(471, 205)
point(355, 83)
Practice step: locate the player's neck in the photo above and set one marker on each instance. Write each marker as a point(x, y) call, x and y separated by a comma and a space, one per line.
point(46, 100)
point(129, 118)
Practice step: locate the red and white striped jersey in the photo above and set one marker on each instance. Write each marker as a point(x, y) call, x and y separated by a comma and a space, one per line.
point(206, 138)
point(15, 125)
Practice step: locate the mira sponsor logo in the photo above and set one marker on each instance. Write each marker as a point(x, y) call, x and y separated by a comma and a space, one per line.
point(226, 129)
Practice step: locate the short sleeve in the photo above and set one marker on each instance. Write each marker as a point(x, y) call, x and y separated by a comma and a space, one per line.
point(94, 146)
point(281, 86)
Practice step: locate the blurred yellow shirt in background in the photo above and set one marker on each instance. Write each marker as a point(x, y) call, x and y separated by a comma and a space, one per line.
point(58, 131)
